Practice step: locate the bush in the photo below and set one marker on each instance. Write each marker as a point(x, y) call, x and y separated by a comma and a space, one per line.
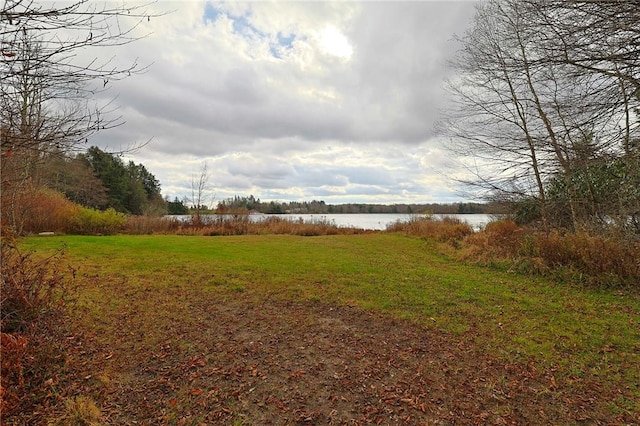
point(38, 210)
point(13, 349)
point(446, 229)
point(94, 222)
point(577, 256)
point(596, 259)
point(33, 299)
point(31, 289)
point(145, 225)
point(498, 240)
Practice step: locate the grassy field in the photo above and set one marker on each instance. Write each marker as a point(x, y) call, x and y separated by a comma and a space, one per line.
point(584, 340)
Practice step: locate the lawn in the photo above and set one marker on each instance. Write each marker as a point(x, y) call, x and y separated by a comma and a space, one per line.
point(337, 329)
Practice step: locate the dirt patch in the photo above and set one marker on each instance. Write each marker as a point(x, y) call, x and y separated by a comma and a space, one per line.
point(279, 362)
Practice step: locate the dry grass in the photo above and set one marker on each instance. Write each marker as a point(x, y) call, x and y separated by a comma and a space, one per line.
point(147, 225)
point(602, 260)
point(447, 229)
point(498, 240)
point(576, 257)
point(81, 411)
point(243, 225)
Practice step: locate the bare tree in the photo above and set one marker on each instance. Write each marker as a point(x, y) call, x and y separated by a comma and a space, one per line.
point(599, 43)
point(541, 99)
point(48, 83)
point(493, 119)
point(200, 193)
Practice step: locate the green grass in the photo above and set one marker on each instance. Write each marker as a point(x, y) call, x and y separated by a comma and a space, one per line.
point(516, 318)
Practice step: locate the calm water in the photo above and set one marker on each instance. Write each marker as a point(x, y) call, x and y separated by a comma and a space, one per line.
point(371, 221)
point(377, 221)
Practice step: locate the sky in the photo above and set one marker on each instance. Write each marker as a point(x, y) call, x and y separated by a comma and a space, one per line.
point(293, 101)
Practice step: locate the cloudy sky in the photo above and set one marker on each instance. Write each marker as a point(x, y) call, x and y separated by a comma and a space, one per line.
point(332, 101)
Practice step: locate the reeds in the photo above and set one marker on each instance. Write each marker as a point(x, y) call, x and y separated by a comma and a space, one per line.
point(575, 257)
point(146, 225)
point(446, 229)
point(243, 225)
point(572, 256)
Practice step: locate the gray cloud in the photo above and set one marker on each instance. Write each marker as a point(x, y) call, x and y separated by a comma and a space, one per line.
point(293, 100)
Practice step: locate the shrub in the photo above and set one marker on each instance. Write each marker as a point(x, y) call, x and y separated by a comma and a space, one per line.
point(446, 229)
point(596, 259)
point(94, 222)
point(32, 303)
point(31, 289)
point(499, 239)
point(50, 213)
point(13, 349)
point(577, 256)
point(141, 225)
point(38, 209)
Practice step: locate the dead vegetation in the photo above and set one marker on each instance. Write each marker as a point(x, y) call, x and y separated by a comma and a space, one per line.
point(577, 257)
point(33, 300)
point(236, 224)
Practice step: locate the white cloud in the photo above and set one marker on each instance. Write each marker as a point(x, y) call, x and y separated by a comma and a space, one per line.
point(333, 42)
point(293, 100)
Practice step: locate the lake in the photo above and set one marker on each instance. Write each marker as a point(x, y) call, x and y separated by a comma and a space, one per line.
point(375, 221)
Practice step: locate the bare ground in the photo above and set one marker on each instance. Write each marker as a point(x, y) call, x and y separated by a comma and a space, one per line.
point(248, 362)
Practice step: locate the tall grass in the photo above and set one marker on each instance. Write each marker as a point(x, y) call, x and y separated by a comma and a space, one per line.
point(446, 229)
point(577, 257)
point(595, 259)
point(498, 240)
point(316, 227)
point(146, 225)
point(242, 225)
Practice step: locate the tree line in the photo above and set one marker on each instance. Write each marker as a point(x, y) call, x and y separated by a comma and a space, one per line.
point(102, 180)
point(250, 203)
point(545, 108)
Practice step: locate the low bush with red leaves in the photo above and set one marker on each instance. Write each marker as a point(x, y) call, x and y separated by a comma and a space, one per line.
point(32, 303)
